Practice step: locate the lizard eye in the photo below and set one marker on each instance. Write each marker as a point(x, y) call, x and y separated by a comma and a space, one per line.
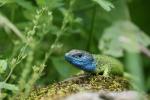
point(78, 55)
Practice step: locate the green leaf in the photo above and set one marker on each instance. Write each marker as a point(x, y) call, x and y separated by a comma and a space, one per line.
point(105, 4)
point(3, 2)
point(50, 3)
point(3, 66)
point(7, 86)
point(122, 36)
point(41, 2)
point(6, 1)
point(25, 4)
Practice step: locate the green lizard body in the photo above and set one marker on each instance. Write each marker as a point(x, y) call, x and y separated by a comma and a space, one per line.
point(108, 65)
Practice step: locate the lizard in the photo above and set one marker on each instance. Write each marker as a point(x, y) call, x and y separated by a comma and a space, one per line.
point(94, 63)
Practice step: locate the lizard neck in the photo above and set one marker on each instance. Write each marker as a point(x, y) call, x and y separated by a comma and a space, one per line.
point(89, 67)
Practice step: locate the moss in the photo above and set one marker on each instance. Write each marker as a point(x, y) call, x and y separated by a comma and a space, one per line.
point(78, 84)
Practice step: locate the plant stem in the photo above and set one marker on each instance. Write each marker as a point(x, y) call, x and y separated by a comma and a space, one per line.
point(9, 74)
point(91, 29)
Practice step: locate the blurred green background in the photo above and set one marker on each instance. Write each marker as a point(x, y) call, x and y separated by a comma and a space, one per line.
point(35, 35)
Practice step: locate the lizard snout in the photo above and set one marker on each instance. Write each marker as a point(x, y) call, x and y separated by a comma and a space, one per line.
point(67, 56)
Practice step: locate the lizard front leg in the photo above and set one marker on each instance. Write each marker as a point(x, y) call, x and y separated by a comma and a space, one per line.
point(106, 70)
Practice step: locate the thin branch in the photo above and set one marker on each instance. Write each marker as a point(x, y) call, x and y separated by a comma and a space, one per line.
point(5, 22)
point(145, 51)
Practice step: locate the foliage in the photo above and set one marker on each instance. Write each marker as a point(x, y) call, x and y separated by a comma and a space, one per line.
point(105, 4)
point(3, 66)
point(35, 34)
point(125, 33)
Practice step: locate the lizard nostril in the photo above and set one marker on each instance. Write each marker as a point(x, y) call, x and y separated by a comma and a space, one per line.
point(67, 54)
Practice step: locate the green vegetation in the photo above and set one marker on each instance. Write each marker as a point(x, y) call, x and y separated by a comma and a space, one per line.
point(35, 34)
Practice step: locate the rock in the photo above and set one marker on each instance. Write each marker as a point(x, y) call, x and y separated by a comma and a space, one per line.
point(105, 95)
point(81, 83)
point(84, 96)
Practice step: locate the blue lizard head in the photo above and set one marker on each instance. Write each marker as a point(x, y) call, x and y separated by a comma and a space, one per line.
point(81, 59)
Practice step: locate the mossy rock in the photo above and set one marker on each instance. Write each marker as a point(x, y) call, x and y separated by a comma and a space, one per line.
point(80, 83)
